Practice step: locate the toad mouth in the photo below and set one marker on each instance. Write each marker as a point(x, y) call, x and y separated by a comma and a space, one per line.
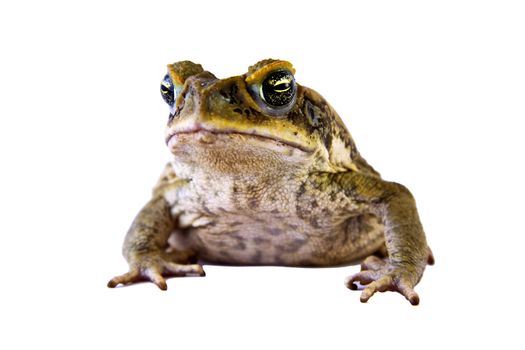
point(201, 128)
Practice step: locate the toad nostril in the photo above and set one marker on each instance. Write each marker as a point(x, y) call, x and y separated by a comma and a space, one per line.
point(229, 93)
point(225, 96)
point(176, 113)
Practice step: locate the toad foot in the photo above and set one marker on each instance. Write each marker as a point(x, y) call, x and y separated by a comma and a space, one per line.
point(153, 268)
point(379, 275)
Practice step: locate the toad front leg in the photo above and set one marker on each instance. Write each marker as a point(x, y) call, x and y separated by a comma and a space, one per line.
point(145, 248)
point(408, 252)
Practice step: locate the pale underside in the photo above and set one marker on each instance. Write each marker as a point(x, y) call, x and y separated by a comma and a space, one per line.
point(256, 206)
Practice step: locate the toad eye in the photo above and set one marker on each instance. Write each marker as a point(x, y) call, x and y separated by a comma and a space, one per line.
point(167, 90)
point(278, 88)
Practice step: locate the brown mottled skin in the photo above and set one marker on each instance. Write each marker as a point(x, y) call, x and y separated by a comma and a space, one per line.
point(252, 184)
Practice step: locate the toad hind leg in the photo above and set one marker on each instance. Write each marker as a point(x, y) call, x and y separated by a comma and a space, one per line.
point(145, 248)
point(406, 246)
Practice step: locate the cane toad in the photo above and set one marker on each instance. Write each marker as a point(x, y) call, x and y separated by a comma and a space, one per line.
point(264, 172)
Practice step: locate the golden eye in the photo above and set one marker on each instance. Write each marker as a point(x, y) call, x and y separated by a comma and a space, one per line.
point(278, 88)
point(167, 90)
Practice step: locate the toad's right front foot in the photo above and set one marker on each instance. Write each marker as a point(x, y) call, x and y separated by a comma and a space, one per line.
point(153, 267)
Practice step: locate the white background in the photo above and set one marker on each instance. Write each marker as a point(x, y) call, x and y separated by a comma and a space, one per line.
point(433, 93)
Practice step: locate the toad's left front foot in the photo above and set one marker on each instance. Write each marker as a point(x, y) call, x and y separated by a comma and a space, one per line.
point(380, 276)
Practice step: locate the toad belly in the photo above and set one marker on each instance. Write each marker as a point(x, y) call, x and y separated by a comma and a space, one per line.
point(270, 240)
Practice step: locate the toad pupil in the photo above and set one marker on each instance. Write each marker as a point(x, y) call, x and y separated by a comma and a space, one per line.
point(282, 86)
